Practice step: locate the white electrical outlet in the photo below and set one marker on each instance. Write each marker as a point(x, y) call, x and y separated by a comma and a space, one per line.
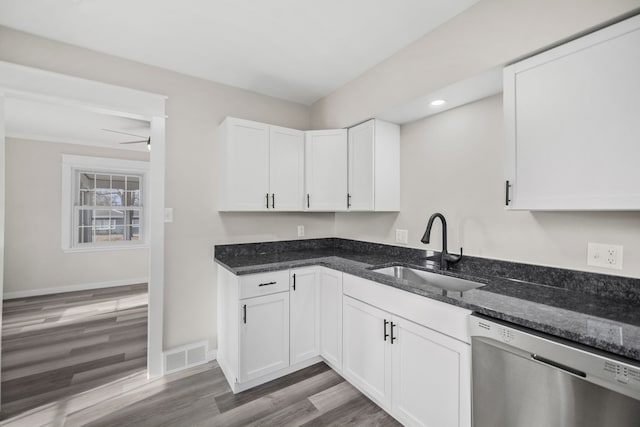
point(604, 255)
point(301, 231)
point(402, 236)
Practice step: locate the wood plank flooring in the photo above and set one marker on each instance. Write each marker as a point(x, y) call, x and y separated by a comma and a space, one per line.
point(113, 391)
point(58, 345)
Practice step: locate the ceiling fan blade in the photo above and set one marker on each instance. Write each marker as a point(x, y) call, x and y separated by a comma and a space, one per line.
point(123, 133)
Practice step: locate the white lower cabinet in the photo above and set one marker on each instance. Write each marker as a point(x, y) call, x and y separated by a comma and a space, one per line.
point(367, 353)
point(268, 324)
point(305, 314)
point(330, 290)
point(420, 376)
point(409, 354)
point(264, 335)
point(430, 377)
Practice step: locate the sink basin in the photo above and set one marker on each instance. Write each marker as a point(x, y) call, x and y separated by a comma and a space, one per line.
point(441, 281)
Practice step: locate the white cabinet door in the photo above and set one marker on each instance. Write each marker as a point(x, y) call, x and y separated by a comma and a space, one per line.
point(326, 170)
point(264, 335)
point(304, 307)
point(330, 284)
point(431, 377)
point(361, 179)
point(374, 166)
point(573, 133)
point(245, 165)
point(286, 176)
point(366, 353)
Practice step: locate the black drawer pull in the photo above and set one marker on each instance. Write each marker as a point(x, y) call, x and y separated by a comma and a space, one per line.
point(294, 281)
point(267, 200)
point(267, 284)
point(273, 200)
point(244, 314)
point(386, 335)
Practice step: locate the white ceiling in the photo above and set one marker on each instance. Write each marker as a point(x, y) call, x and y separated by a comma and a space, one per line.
point(35, 120)
point(300, 50)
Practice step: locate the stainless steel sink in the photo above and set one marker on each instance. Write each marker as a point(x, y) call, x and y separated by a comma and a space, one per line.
point(441, 281)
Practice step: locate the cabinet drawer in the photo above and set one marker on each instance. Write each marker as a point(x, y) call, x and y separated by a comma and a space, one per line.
point(254, 285)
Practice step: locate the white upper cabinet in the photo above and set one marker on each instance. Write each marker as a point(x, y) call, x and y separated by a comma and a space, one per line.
point(374, 166)
point(243, 165)
point(326, 170)
point(261, 167)
point(286, 162)
point(573, 132)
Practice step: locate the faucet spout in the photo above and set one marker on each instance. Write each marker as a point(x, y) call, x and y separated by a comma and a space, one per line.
point(445, 257)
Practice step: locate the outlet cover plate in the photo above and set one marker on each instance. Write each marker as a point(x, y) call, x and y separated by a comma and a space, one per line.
point(402, 236)
point(604, 255)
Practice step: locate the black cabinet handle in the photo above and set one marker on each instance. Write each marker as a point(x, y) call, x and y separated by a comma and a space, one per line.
point(393, 325)
point(244, 313)
point(267, 200)
point(506, 193)
point(294, 281)
point(267, 284)
point(348, 200)
point(273, 200)
point(308, 200)
point(386, 335)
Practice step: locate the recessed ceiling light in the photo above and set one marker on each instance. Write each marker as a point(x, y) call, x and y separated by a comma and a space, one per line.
point(437, 102)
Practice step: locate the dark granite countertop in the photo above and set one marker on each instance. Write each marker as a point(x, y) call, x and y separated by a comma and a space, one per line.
point(571, 305)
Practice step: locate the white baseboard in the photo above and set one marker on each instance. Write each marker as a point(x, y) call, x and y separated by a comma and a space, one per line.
point(73, 288)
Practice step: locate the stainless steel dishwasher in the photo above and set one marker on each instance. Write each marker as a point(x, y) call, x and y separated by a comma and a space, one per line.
point(524, 379)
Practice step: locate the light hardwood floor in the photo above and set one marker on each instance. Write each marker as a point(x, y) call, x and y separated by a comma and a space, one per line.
point(87, 368)
point(54, 346)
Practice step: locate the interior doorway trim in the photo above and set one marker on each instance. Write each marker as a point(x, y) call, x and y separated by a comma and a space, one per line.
point(26, 82)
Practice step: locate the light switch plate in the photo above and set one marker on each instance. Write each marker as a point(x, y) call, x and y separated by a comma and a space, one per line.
point(168, 214)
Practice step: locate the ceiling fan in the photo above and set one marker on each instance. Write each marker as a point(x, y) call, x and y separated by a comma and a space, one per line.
point(144, 138)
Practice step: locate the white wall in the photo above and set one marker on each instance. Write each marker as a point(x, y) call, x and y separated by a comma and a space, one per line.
point(34, 260)
point(491, 33)
point(453, 163)
point(195, 108)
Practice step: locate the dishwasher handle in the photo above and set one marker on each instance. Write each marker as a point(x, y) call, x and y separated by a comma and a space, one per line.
point(565, 368)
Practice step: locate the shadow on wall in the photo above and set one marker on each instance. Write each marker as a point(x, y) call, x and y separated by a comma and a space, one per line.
point(365, 225)
point(245, 227)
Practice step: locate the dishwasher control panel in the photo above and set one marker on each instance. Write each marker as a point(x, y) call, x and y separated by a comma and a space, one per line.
point(494, 330)
point(622, 374)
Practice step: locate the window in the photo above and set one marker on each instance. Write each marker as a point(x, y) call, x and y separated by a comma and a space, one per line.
point(105, 203)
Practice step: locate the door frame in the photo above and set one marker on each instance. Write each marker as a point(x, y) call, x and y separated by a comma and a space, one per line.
point(46, 86)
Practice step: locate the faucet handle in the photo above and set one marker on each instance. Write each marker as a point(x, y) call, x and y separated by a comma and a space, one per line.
point(455, 258)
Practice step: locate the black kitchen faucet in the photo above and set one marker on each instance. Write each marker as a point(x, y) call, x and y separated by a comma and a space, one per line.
point(445, 257)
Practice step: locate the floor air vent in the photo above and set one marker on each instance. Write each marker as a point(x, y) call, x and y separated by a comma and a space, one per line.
point(185, 357)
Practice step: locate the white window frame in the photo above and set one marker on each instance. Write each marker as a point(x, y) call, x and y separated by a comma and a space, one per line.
point(71, 165)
